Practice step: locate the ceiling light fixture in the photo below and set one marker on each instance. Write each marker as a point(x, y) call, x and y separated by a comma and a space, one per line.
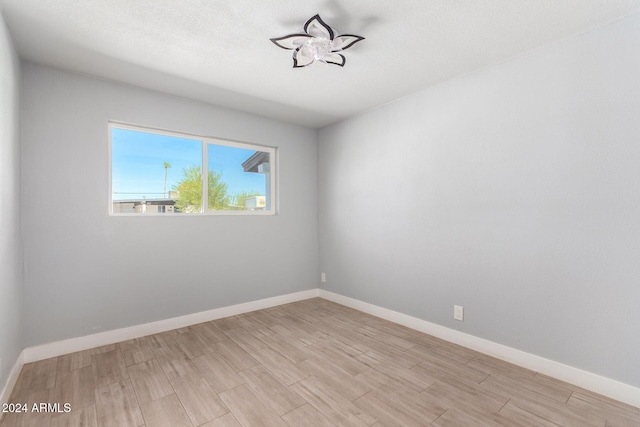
point(319, 42)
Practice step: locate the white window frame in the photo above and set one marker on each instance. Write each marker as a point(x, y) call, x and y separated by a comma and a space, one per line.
point(206, 140)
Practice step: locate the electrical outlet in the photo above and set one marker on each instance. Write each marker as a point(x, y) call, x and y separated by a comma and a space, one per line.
point(323, 277)
point(458, 312)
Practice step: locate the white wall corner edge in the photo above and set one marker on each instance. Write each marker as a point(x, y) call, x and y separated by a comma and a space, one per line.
point(596, 383)
point(72, 345)
point(11, 381)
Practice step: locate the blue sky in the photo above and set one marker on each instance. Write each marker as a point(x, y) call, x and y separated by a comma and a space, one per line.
point(137, 164)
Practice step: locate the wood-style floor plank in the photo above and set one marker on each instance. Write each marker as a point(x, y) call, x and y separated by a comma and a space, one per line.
point(417, 380)
point(149, 381)
point(307, 416)
point(309, 363)
point(104, 349)
point(108, 367)
point(227, 420)
point(413, 404)
point(330, 404)
point(525, 418)
point(191, 343)
point(457, 417)
point(137, 351)
point(75, 387)
point(81, 417)
point(247, 341)
point(281, 367)
point(35, 377)
point(209, 332)
point(452, 393)
point(286, 347)
point(166, 346)
point(341, 357)
point(427, 350)
point(249, 409)
point(437, 367)
point(617, 414)
point(512, 388)
point(495, 366)
point(388, 413)
point(117, 406)
point(275, 394)
point(218, 373)
point(165, 412)
point(227, 323)
point(199, 400)
point(335, 377)
point(559, 413)
point(234, 355)
point(73, 361)
point(179, 367)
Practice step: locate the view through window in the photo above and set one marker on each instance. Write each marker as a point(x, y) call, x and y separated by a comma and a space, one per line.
point(154, 172)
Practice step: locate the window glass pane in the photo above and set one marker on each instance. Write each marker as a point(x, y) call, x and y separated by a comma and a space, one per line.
point(161, 173)
point(154, 173)
point(239, 178)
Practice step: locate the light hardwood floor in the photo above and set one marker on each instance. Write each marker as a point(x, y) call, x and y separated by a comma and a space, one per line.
point(310, 363)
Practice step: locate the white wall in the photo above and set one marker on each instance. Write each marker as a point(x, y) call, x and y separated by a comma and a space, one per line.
point(514, 192)
point(87, 272)
point(10, 244)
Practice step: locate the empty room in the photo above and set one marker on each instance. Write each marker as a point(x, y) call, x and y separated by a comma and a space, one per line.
point(321, 213)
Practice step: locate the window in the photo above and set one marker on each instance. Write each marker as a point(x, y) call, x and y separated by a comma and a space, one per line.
point(161, 173)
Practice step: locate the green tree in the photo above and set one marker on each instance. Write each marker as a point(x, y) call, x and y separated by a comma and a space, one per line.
point(190, 191)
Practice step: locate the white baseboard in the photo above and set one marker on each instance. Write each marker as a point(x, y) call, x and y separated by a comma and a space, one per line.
point(11, 381)
point(58, 348)
point(587, 380)
point(590, 381)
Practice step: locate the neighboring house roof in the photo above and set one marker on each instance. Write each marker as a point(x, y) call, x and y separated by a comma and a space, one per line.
point(252, 163)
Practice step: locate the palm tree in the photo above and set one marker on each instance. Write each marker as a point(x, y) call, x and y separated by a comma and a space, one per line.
point(166, 173)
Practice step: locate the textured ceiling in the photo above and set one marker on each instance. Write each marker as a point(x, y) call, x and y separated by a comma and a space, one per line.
point(218, 51)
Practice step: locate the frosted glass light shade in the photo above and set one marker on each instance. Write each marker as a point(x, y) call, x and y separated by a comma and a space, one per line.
point(319, 42)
